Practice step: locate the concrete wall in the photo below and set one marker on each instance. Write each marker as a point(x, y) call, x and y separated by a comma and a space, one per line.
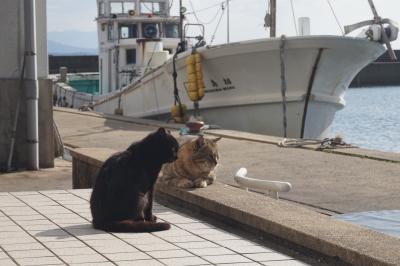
point(12, 44)
point(7, 112)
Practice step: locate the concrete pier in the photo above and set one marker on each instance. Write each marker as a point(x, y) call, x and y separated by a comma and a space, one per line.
point(334, 181)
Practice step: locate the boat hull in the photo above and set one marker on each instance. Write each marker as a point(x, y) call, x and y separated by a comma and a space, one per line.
point(243, 85)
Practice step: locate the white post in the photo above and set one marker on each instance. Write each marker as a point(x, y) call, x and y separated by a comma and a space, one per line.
point(227, 21)
point(304, 26)
point(31, 85)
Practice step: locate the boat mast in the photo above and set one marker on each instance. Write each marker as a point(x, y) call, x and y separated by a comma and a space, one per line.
point(182, 11)
point(272, 31)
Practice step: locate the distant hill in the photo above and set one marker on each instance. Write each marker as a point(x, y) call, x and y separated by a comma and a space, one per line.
point(84, 39)
point(56, 48)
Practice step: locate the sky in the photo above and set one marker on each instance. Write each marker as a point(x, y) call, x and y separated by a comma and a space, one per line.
point(246, 16)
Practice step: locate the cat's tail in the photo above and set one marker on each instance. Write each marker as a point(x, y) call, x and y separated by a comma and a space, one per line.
point(134, 226)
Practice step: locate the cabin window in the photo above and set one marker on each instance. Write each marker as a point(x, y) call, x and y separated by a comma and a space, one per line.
point(128, 6)
point(171, 30)
point(128, 31)
point(130, 56)
point(149, 7)
point(116, 8)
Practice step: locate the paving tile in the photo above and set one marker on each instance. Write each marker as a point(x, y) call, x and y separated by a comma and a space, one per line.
point(211, 251)
point(101, 242)
point(204, 244)
point(242, 264)
point(34, 253)
point(194, 226)
point(174, 231)
point(103, 236)
point(18, 234)
point(139, 263)
point(127, 256)
point(40, 227)
point(146, 240)
point(93, 264)
point(115, 249)
point(250, 249)
point(39, 261)
point(184, 261)
point(284, 263)
point(235, 243)
point(235, 258)
point(73, 251)
point(17, 240)
point(83, 258)
point(270, 256)
point(219, 237)
point(156, 247)
point(24, 246)
point(132, 235)
point(7, 262)
point(35, 222)
point(68, 243)
point(18, 218)
point(3, 255)
point(169, 254)
point(11, 228)
point(7, 223)
point(176, 239)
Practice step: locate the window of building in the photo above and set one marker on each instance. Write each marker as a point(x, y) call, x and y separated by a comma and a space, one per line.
point(171, 30)
point(128, 31)
point(116, 8)
point(130, 56)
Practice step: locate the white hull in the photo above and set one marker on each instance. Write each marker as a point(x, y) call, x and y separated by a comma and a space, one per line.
point(318, 68)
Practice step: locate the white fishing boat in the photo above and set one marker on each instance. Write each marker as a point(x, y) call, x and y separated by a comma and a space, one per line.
point(283, 86)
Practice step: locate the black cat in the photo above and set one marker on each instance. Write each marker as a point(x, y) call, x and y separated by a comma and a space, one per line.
point(122, 198)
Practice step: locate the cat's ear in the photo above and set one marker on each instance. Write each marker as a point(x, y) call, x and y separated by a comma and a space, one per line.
point(162, 131)
point(216, 140)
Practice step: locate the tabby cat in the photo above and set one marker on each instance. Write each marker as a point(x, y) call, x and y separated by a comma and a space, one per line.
point(195, 166)
point(122, 198)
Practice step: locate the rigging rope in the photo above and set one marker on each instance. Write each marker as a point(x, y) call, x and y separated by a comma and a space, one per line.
point(283, 83)
point(197, 18)
point(206, 8)
point(294, 17)
point(219, 21)
point(336, 18)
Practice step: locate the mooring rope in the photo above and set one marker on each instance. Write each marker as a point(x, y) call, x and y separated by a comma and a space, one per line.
point(283, 83)
point(327, 143)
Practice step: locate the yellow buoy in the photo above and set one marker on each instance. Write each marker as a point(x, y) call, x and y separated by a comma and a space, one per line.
point(202, 92)
point(197, 57)
point(192, 78)
point(198, 67)
point(190, 60)
point(200, 84)
point(193, 86)
point(190, 69)
point(193, 96)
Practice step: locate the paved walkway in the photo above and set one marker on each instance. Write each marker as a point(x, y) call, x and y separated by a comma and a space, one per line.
point(334, 182)
point(53, 228)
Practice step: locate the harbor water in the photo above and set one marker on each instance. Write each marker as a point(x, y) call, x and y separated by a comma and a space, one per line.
point(371, 118)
